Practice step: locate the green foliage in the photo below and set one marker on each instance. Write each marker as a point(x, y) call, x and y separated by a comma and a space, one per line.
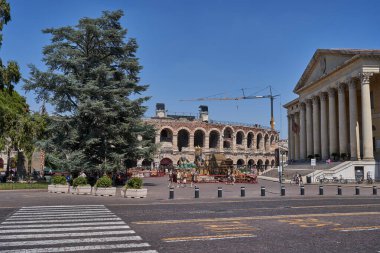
point(104, 182)
point(92, 82)
point(134, 183)
point(59, 180)
point(80, 181)
point(10, 74)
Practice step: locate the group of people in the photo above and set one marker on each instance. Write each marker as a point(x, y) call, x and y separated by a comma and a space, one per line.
point(179, 178)
point(298, 179)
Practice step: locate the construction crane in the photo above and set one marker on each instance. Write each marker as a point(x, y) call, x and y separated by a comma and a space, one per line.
point(270, 96)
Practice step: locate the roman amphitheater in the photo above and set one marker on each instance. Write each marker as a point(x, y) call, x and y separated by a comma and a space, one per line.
point(179, 136)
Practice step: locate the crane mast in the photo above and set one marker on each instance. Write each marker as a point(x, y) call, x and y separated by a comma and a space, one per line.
point(270, 96)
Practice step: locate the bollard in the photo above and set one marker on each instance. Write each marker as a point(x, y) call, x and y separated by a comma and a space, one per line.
point(339, 190)
point(321, 190)
point(196, 192)
point(171, 193)
point(242, 191)
point(220, 192)
point(357, 190)
point(282, 190)
point(302, 188)
point(262, 191)
point(374, 190)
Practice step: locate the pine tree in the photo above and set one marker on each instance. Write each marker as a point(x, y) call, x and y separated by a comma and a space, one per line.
point(92, 75)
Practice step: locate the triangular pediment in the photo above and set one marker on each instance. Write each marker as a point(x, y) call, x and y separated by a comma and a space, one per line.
point(325, 61)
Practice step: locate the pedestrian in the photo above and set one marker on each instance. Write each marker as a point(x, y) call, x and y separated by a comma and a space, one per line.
point(170, 178)
point(301, 180)
point(192, 178)
point(179, 178)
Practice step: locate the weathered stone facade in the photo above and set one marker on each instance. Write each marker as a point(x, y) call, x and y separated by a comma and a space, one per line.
point(244, 144)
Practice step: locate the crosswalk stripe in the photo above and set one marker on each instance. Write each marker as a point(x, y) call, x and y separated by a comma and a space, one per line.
point(69, 206)
point(63, 214)
point(62, 217)
point(55, 235)
point(62, 225)
point(82, 240)
point(59, 229)
point(60, 221)
point(79, 248)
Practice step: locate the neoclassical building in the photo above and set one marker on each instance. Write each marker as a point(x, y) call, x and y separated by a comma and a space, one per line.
point(179, 135)
point(337, 112)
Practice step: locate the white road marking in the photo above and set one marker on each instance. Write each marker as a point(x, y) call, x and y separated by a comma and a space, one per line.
point(60, 212)
point(81, 206)
point(64, 217)
point(210, 238)
point(82, 240)
point(63, 214)
point(144, 251)
point(59, 229)
point(59, 221)
point(55, 235)
point(63, 225)
point(79, 248)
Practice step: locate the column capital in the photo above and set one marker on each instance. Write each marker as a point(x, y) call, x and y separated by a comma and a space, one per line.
point(323, 96)
point(341, 88)
point(364, 77)
point(302, 106)
point(308, 102)
point(352, 83)
point(332, 92)
point(315, 100)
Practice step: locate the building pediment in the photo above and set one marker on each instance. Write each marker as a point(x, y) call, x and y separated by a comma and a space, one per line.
point(326, 61)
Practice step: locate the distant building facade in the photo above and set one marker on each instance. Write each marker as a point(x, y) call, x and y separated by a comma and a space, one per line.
point(337, 112)
point(179, 136)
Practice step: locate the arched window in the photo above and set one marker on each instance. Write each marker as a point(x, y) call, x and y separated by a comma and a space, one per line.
point(183, 139)
point(166, 135)
point(250, 140)
point(199, 137)
point(239, 138)
point(214, 139)
point(259, 141)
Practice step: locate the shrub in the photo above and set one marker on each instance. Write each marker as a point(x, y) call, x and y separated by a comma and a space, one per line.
point(104, 182)
point(80, 181)
point(59, 180)
point(134, 183)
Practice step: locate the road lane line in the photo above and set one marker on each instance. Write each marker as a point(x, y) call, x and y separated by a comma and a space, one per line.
point(66, 241)
point(55, 235)
point(64, 211)
point(63, 225)
point(144, 251)
point(60, 229)
point(266, 217)
point(79, 248)
point(207, 237)
point(59, 221)
point(356, 229)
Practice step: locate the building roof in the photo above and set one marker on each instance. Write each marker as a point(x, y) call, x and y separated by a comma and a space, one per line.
point(346, 57)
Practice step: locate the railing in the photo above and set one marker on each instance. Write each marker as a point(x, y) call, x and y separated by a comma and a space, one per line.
point(218, 122)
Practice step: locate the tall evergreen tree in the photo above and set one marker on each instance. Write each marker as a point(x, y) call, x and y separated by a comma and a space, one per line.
point(92, 75)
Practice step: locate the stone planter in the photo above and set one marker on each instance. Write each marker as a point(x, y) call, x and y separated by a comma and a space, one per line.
point(59, 188)
point(82, 190)
point(135, 193)
point(110, 191)
point(51, 188)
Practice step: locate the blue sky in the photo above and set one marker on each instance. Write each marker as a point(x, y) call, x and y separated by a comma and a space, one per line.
point(198, 48)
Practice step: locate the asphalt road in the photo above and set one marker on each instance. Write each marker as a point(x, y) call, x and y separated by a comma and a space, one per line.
point(37, 221)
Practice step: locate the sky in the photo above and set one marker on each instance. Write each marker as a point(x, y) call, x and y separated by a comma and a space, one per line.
point(215, 48)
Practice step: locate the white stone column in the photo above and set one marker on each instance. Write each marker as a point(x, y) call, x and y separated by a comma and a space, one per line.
point(309, 127)
point(316, 126)
point(290, 138)
point(297, 137)
point(333, 124)
point(366, 117)
point(324, 128)
point(343, 143)
point(354, 124)
point(303, 155)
